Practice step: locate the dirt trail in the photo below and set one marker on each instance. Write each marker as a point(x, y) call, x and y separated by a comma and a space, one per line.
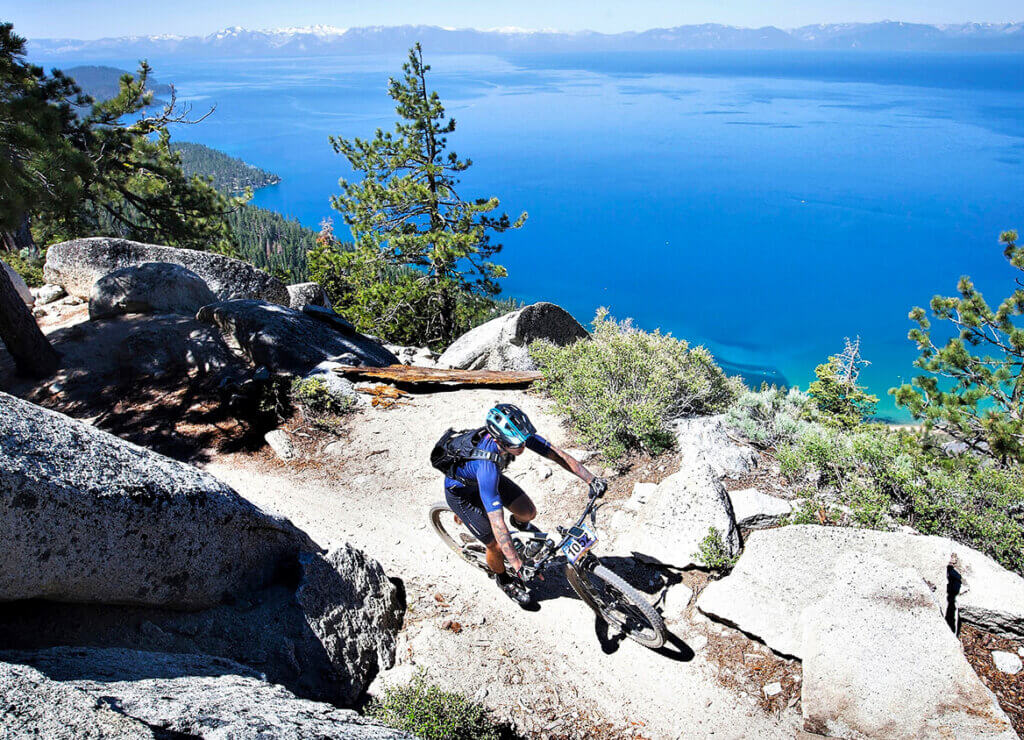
point(550, 671)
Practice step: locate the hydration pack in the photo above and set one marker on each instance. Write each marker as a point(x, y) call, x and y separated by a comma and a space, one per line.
point(456, 448)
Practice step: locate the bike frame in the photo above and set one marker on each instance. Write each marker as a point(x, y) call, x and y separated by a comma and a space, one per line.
point(550, 549)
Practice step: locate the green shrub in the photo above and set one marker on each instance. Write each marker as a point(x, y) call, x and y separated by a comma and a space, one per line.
point(430, 713)
point(882, 477)
point(713, 552)
point(314, 395)
point(842, 404)
point(29, 266)
point(623, 387)
point(771, 416)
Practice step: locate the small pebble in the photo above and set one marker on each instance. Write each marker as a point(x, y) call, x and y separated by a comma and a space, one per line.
point(1006, 662)
point(773, 689)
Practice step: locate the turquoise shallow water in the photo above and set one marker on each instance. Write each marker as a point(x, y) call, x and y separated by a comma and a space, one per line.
point(764, 204)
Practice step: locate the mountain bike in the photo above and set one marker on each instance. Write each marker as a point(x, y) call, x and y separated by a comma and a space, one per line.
point(611, 598)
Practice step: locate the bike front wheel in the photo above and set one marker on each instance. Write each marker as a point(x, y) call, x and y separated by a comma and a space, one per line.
point(455, 535)
point(618, 603)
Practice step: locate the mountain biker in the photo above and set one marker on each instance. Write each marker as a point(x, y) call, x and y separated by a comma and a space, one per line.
point(479, 490)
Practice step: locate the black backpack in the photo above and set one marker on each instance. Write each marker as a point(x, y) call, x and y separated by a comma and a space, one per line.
point(455, 448)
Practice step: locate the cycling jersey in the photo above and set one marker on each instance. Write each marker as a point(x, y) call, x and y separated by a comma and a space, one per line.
point(486, 474)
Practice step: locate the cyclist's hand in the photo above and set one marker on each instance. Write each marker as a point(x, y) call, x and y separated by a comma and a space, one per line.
point(597, 487)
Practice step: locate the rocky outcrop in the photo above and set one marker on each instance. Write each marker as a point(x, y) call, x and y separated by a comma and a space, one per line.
point(32, 705)
point(153, 287)
point(19, 284)
point(79, 263)
point(323, 630)
point(285, 340)
point(707, 440)
point(880, 661)
point(784, 571)
point(307, 294)
point(756, 510)
point(354, 610)
point(503, 343)
point(48, 294)
point(86, 516)
point(669, 525)
point(179, 695)
point(341, 389)
point(989, 596)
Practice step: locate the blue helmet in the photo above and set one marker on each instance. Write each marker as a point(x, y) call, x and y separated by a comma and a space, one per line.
point(509, 425)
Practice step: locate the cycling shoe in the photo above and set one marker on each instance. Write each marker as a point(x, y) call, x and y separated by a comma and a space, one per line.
point(514, 589)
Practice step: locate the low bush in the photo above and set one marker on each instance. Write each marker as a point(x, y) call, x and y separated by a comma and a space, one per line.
point(770, 417)
point(878, 477)
point(428, 712)
point(623, 387)
point(314, 396)
point(713, 552)
point(28, 266)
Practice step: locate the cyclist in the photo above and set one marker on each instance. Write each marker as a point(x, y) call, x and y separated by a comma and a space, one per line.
point(477, 489)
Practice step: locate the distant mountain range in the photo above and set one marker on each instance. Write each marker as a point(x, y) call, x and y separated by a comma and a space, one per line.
point(325, 40)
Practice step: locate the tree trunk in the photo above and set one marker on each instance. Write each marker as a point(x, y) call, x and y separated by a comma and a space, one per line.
point(15, 241)
point(32, 352)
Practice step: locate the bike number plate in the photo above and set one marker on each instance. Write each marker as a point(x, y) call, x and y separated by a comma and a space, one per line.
point(581, 539)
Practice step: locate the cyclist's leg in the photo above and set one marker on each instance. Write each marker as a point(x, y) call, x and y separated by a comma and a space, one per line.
point(514, 498)
point(471, 511)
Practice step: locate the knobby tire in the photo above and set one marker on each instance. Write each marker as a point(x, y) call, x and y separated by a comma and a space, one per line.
point(630, 595)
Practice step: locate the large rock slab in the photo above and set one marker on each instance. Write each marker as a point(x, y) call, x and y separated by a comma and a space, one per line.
point(708, 440)
point(880, 661)
point(79, 263)
point(86, 516)
point(307, 294)
point(503, 343)
point(990, 596)
point(784, 571)
point(324, 630)
point(194, 695)
point(20, 286)
point(667, 526)
point(283, 339)
point(153, 287)
point(33, 705)
point(756, 510)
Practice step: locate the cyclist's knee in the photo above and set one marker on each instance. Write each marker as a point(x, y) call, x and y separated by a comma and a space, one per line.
point(524, 510)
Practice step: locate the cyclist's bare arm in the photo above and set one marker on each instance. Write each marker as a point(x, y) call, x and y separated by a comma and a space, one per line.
point(504, 539)
point(569, 462)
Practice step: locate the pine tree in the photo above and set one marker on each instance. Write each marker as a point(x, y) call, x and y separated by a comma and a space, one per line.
point(68, 174)
point(407, 212)
point(976, 398)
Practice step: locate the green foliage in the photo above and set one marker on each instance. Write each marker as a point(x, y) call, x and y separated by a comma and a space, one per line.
point(109, 170)
point(428, 712)
point(410, 224)
point(314, 396)
point(841, 403)
point(623, 387)
point(272, 242)
point(28, 265)
point(975, 388)
point(770, 417)
point(226, 173)
point(881, 477)
point(713, 552)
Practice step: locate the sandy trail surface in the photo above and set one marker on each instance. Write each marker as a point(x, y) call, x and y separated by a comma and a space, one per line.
point(554, 671)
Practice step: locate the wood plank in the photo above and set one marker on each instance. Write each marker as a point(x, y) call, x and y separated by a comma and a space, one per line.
point(414, 374)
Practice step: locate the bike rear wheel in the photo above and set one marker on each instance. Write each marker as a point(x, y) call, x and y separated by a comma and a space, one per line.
point(455, 535)
point(618, 603)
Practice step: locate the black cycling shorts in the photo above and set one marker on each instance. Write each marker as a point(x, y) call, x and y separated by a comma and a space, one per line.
point(465, 502)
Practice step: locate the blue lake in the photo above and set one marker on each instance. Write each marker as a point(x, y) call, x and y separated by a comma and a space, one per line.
point(766, 205)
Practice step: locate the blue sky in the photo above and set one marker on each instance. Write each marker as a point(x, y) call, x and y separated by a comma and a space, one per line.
point(86, 19)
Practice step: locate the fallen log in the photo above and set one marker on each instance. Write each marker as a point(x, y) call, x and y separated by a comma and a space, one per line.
point(415, 374)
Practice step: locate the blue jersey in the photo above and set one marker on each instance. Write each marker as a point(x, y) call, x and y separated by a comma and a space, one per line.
point(484, 474)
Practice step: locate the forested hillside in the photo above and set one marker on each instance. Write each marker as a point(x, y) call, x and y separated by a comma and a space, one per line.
point(272, 242)
point(229, 174)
